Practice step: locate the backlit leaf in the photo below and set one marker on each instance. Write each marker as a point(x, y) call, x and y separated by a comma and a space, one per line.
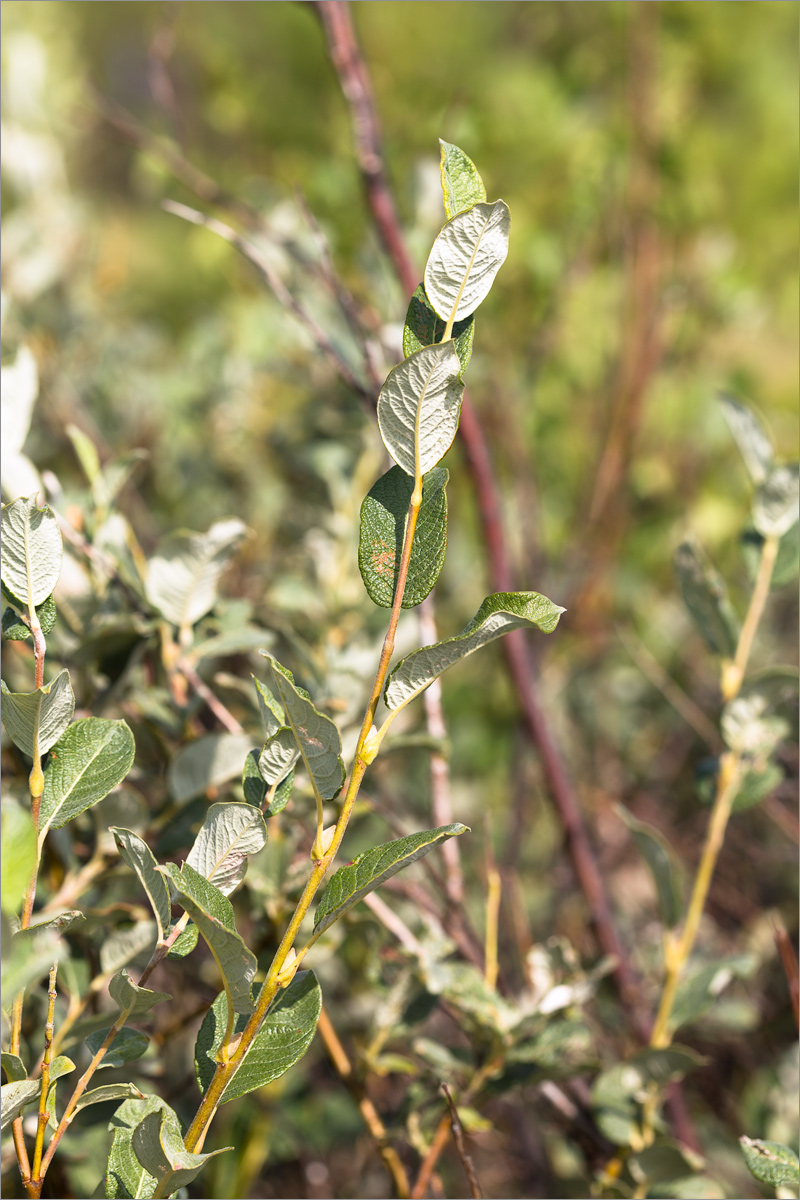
point(384, 516)
point(462, 186)
point(419, 406)
point(285, 1035)
point(499, 614)
point(356, 879)
point(91, 758)
point(18, 853)
point(465, 258)
point(39, 718)
point(424, 327)
point(30, 550)
point(228, 835)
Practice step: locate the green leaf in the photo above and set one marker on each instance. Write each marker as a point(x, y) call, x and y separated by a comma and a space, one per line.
point(61, 1065)
point(462, 186)
point(228, 835)
point(660, 858)
point(18, 853)
point(356, 879)
point(184, 943)
point(384, 516)
point(31, 550)
point(56, 924)
point(424, 327)
point(465, 258)
point(125, 944)
point(204, 893)
point(754, 445)
point(776, 500)
point(279, 755)
point(29, 960)
point(771, 1162)
point(697, 992)
point(38, 717)
point(756, 785)
point(14, 1097)
point(285, 1035)
point(317, 735)
point(706, 598)
point(16, 630)
point(208, 762)
point(13, 1066)
point(157, 1142)
point(239, 640)
point(254, 786)
point(139, 857)
point(618, 1091)
point(125, 1175)
point(182, 578)
point(236, 963)
point(132, 999)
point(786, 561)
point(128, 1045)
point(499, 614)
point(86, 452)
point(272, 714)
point(92, 757)
point(109, 1091)
point(663, 1162)
point(419, 406)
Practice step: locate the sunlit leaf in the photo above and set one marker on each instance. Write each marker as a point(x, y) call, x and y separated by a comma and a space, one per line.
point(282, 1040)
point(499, 614)
point(139, 857)
point(316, 735)
point(462, 186)
point(465, 258)
point(14, 1097)
point(125, 1177)
point(229, 834)
point(107, 1092)
point(30, 550)
point(18, 842)
point(419, 406)
point(182, 578)
point(279, 755)
point(157, 1142)
point(775, 504)
point(91, 758)
point(771, 1162)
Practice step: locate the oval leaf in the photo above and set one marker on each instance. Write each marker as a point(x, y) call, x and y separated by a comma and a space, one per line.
point(660, 858)
point(236, 964)
point(706, 598)
point(465, 258)
point(131, 998)
point(31, 550)
point(279, 755)
point(92, 757)
point(316, 735)
point(384, 515)
point(356, 879)
point(128, 1045)
point(771, 1162)
point(109, 1091)
point(157, 1142)
point(285, 1035)
point(499, 614)
point(139, 857)
point(462, 186)
point(14, 1097)
point(776, 500)
point(423, 327)
point(36, 720)
point(419, 406)
point(228, 835)
point(182, 579)
point(748, 433)
point(125, 1176)
point(17, 630)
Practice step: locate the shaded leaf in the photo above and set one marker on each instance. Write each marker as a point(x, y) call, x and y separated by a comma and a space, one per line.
point(208, 762)
point(131, 998)
point(697, 992)
point(228, 835)
point(706, 598)
point(660, 858)
point(184, 943)
point(254, 786)
point(462, 186)
point(92, 757)
point(30, 550)
point(499, 614)
point(771, 1163)
point(282, 796)
point(57, 924)
point(754, 445)
point(182, 578)
point(128, 1045)
point(465, 258)
point(157, 1142)
point(419, 406)
point(786, 561)
point(285, 1035)
point(139, 857)
point(316, 735)
point(384, 516)
point(271, 711)
point(123, 945)
point(14, 1097)
point(356, 879)
point(279, 755)
point(16, 630)
point(775, 504)
point(18, 852)
point(663, 1162)
point(125, 1177)
point(424, 327)
point(108, 1091)
point(237, 965)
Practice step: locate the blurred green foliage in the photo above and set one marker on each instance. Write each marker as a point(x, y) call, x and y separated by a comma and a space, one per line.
point(598, 126)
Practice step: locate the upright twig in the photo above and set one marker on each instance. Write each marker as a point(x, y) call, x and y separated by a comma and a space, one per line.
point(351, 70)
point(458, 1138)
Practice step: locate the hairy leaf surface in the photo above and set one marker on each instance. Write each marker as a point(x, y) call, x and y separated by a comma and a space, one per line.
point(91, 758)
point(771, 1163)
point(316, 735)
point(358, 878)
point(465, 258)
point(500, 613)
point(126, 1178)
point(283, 1039)
point(30, 550)
point(39, 717)
point(228, 835)
point(384, 515)
point(419, 406)
point(139, 857)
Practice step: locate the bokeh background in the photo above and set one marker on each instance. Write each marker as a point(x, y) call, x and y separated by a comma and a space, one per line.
point(648, 153)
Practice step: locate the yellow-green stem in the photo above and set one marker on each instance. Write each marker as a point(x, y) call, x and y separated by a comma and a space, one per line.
point(48, 1053)
point(196, 1133)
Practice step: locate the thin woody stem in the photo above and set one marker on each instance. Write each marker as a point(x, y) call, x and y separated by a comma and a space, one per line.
point(47, 1059)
